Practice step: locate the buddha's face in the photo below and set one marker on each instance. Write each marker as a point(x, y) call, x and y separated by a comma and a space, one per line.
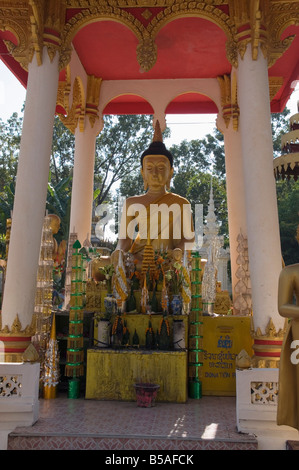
point(156, 171)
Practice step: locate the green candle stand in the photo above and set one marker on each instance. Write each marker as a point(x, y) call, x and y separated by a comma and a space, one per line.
point(195, 330)
point(75, 352)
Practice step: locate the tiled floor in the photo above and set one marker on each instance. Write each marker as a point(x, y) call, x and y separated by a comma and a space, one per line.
point(207, 423)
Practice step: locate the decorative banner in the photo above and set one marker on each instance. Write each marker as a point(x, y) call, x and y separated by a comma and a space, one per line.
point(75, 353)
point(144, 296)
point(164, 297)
point(120, 280)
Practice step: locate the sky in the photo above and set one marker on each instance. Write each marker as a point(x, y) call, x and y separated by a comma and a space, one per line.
point(193, 126)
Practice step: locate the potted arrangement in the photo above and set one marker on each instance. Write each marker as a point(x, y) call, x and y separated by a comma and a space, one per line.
point(109, 301)
point(103, 318)
point(102, 321)
point(175, 279)
point(146, 394)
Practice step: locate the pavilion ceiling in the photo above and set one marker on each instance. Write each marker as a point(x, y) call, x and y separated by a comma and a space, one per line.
point(155, 39)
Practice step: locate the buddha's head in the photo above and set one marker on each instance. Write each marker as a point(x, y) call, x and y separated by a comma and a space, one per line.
point(157, 163)
point(55, 223)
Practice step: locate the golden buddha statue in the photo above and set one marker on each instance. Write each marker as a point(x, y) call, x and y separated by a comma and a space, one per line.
point(164, 219)
point(288, 397)
point(59, 251)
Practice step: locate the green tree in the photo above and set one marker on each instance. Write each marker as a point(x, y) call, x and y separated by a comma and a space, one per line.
point(288, 213)
point(190, 151)
point(280, 126)
point(118, 151)
point(287, 195)
point(10, 139)
point(6, 207)
point(59, 203)
point(62, 156)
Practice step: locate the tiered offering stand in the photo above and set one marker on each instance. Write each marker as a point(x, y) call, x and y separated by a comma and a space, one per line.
point(195, 330)
point(75, 351)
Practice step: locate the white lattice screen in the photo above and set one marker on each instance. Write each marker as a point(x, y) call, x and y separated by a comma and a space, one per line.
point(264, 393)
point(11, 385)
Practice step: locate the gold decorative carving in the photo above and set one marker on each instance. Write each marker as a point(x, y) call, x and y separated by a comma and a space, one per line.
point(30, 354)
point(39, 23)
point(147, 54)
point(180, 8)
point(15, 339)
point(35, 23)
point(259, 33)
point(47, 19)
point(232, 51)
point(16, 20)
point(243, 360)
point(76, 114)
point(222, 303)
point(261, 24)
point(275, 84)
point(64, 89)
point(146, 14)
point(16, 328)
point(267, 346)
point(100, 12)
point(229, 103)
point(92, 99)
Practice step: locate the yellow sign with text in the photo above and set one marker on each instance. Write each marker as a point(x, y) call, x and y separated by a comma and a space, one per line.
point(224, 337)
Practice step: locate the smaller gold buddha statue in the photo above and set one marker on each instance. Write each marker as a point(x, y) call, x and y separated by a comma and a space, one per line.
point(164, 219)
point(59, 251)
point(288, 307)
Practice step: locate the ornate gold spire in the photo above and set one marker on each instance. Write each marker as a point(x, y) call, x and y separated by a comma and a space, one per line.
point(158, 133)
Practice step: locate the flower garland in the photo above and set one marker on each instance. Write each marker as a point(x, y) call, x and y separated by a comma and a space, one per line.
point(144, 296)
point(164, 297)
point(186, 286)
point(120, 282)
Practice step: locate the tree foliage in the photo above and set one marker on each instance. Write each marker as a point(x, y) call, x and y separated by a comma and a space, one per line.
point(288, 213)
point(10, 138)
point(118, 150)
point(280, 126)
point(62, 155)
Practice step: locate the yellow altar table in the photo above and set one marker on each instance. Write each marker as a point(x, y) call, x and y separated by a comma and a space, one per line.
point(223, 339)
point(112, 373)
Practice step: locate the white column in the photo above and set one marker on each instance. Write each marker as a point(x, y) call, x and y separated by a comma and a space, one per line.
point(83, 177)
point(260, 190)
point(31, 191)
point(235, 195)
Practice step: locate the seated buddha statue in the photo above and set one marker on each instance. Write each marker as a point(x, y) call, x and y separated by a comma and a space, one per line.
point(163, 219)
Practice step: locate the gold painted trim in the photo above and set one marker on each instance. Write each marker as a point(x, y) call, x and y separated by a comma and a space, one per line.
point(16, 327)
point(92, 98)
point(230, 108)
point(273, 335)
point(76, 113)
point(32, 22)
